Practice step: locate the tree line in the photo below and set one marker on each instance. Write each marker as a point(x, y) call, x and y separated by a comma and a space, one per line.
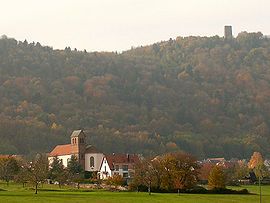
point(203, 95)
point(171, 172)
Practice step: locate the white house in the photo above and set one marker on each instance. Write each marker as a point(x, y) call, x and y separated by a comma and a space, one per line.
point(120, 164)
point(88, 156)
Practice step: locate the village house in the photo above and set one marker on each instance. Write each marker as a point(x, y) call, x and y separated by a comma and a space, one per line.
point(118, 164)
point(88, 156)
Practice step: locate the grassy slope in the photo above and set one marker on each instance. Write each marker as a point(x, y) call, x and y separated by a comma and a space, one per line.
point(15, 193)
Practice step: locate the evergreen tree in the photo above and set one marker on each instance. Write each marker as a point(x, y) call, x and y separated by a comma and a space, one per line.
point(57, 171)
point(75, 170)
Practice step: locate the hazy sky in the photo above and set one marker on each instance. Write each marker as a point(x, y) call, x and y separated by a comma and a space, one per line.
point(115, 25)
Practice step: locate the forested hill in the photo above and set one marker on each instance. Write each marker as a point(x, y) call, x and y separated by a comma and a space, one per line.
point(206, 96)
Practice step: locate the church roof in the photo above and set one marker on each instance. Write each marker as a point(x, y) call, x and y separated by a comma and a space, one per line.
point(4, 156)
point(61, 150)
point(92, 149)
point(75, 133)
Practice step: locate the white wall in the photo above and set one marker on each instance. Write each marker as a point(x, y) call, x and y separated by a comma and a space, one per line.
point(64, 159)
point(97, 161)
point(105, 170)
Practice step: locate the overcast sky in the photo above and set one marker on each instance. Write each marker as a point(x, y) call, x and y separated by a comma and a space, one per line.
point(115, 25)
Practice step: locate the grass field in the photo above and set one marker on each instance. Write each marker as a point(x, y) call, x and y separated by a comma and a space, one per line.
point(48, 194)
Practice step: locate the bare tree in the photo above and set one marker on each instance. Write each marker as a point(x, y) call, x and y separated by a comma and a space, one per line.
point(37, 170)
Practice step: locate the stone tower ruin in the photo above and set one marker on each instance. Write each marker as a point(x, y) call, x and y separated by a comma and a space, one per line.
point(228, 32)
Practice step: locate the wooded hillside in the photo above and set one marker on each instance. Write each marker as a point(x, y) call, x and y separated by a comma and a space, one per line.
point(206, 96)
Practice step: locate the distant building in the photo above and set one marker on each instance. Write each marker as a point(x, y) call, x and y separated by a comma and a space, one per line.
point(215, 160)
point(88, 156)
point(228, 32)
point(118, 164)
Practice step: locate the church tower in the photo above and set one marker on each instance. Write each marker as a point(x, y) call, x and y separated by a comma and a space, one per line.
point(228, 32)
point(78, 145)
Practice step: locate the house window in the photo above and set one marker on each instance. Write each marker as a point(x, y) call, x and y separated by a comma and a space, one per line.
point(125, 167)
point(92, 162)
point(125, 175)
point(105, 169)
point(117, 167)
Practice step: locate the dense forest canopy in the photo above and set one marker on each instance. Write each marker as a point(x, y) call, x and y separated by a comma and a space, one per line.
point(204, 95)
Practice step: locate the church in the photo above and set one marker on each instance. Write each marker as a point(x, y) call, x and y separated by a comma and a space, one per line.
point(88, 156)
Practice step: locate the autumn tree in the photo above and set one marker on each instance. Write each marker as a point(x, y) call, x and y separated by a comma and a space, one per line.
point(116, 180)
point(180, 171)
point(256, 160)
point(185, 171)
point(37, 170)
point(143, 175)
point(256, 163)
point(205, 171)
point(241, 170)
point(9, 168)
point(216, 179)
point(167, 172)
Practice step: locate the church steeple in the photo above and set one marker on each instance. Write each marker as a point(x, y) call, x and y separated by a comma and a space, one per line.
point(78, 145)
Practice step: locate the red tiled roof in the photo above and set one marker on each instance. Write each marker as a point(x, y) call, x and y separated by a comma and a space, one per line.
point(121, 159)
point(4, 156)
point(61, 150)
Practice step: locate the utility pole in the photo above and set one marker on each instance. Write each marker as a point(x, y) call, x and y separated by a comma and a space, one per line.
point(260, 189)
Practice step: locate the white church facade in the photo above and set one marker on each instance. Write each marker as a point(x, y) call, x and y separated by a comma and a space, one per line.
point(88, 156)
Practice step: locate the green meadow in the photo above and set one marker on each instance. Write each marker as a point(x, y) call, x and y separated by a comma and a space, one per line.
point(16, 193)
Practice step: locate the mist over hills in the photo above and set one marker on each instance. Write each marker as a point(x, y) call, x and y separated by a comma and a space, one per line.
point(204, 95)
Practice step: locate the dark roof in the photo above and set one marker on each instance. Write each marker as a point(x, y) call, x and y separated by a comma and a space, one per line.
point(113, 159)
point(76, 133)
point(61, 150)
point(92, 149)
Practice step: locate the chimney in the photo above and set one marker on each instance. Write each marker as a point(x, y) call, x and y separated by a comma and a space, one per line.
point(128, 157)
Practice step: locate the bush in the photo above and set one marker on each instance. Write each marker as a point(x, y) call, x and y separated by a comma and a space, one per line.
point(194, 190)
point(227, 191)
point(116, 180)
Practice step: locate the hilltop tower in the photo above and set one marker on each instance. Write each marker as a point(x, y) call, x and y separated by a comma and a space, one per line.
point(228, 32)
point(78, 145)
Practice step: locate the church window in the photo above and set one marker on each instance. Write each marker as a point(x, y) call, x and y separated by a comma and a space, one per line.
point(81, 140)
point(92, 161)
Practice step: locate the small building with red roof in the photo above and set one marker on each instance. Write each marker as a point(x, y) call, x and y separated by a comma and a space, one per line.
point(118, 164)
